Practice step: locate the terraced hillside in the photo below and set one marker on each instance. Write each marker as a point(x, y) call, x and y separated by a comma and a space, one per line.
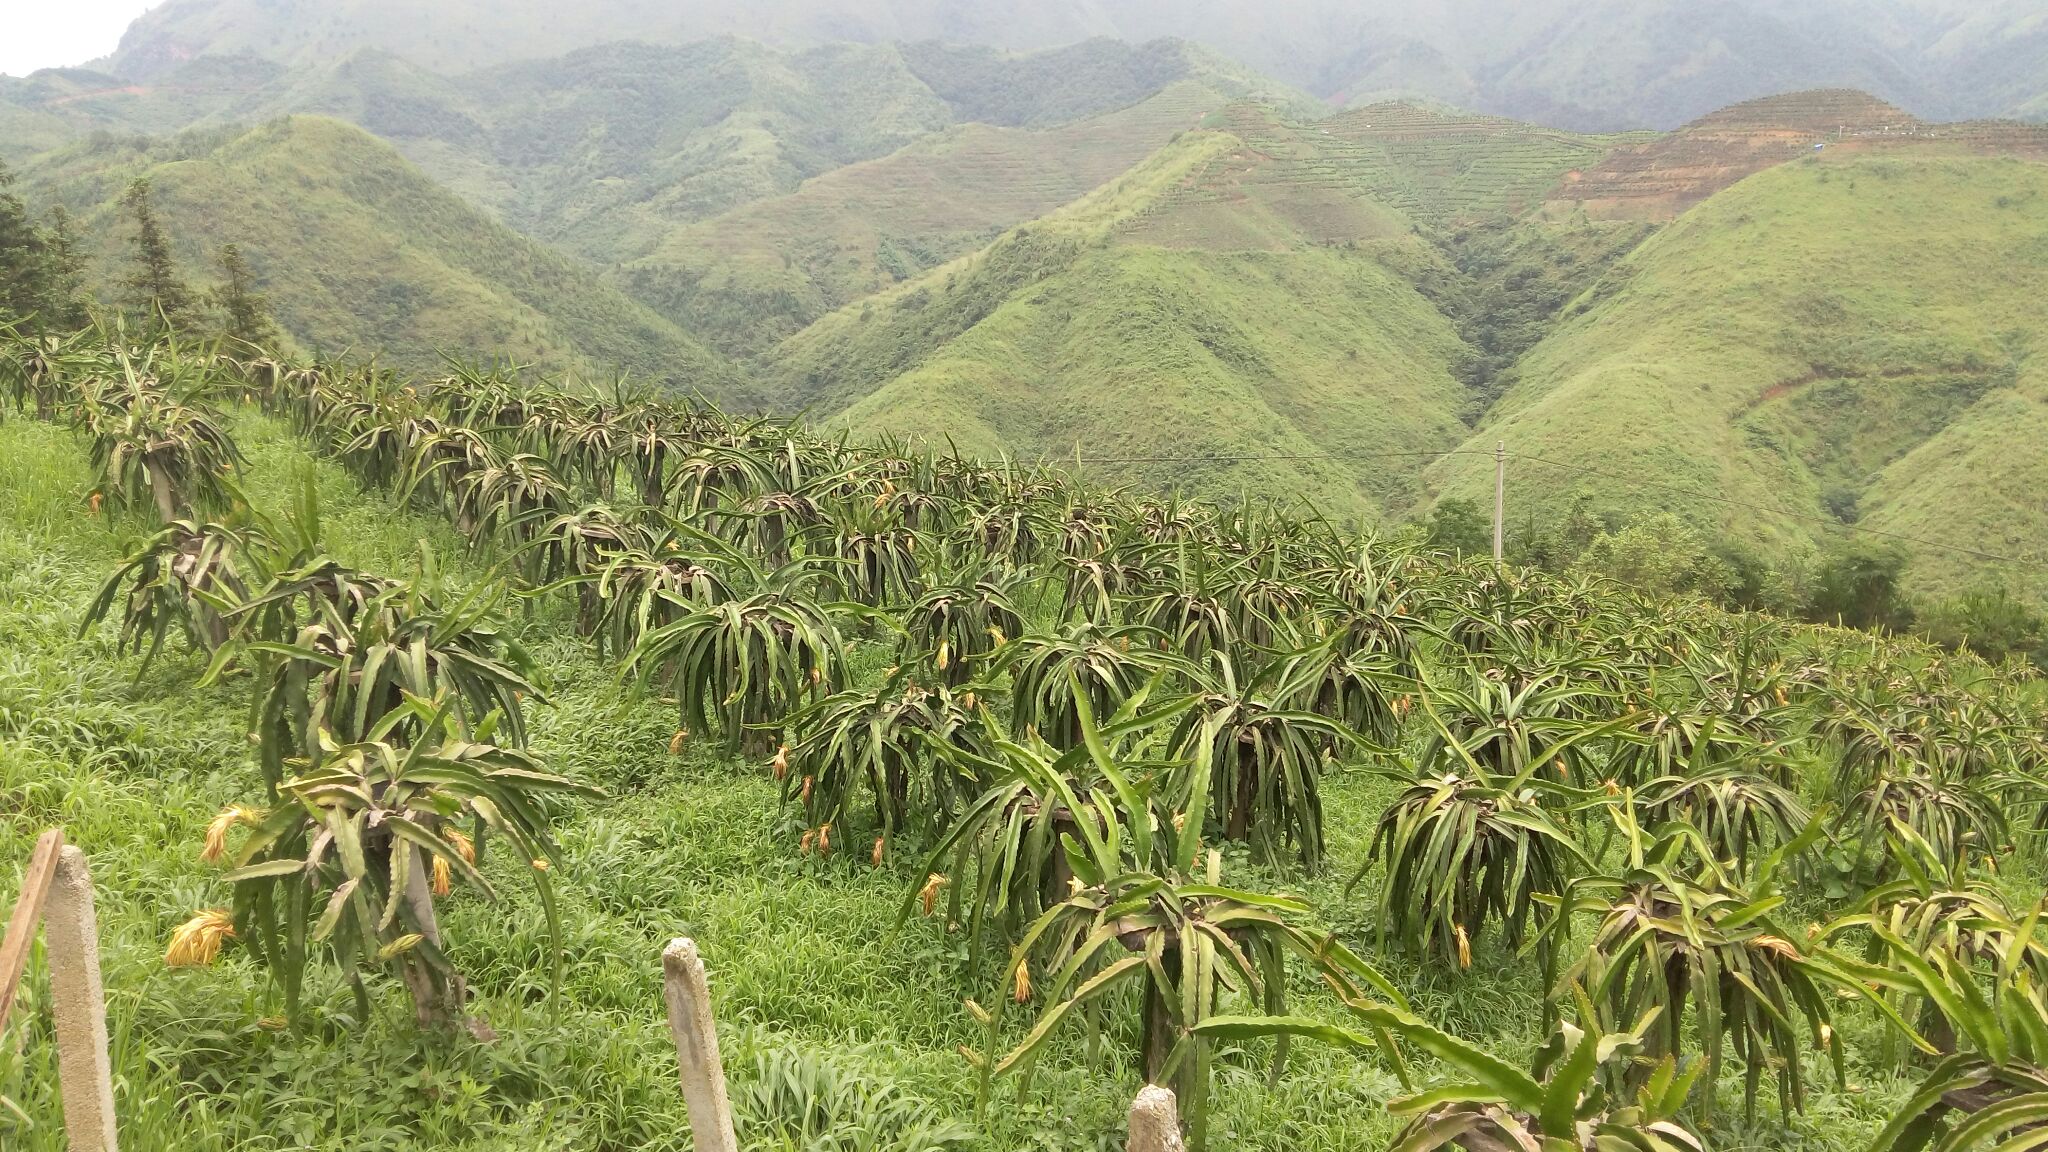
point(360, 251)
point(1656, 179)
point(756, 275)
point(1846, 338)
point(1364, 172)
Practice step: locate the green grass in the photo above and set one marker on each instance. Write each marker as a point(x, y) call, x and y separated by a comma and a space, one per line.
point(1858, 326)
point(1150, 352)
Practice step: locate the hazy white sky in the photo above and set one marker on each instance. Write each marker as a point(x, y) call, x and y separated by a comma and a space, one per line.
point(52, 33)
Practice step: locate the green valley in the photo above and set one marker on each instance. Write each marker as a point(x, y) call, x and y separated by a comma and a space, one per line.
point(755, 275)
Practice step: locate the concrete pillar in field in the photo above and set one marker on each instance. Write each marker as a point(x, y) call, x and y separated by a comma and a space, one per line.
point(1155, 1122)
point(78, 1004)
point(688, 993)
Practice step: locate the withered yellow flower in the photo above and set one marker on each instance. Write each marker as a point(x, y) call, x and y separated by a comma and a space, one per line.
point(217, 832)
point(196, 943)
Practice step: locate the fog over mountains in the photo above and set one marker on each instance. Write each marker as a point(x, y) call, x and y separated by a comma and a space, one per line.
point(1588, 65)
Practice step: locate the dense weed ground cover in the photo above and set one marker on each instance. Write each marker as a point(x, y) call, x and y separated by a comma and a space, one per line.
point(840, 1031)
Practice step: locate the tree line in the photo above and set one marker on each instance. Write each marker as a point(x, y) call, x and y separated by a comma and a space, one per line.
point(42, 276)
point(1856, 582)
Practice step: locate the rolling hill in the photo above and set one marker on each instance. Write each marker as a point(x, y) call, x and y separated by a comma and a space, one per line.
point(751, 277)
point(1076, 334)
point(360, 251)
point(606, 150)
point(1795, 330)
point(760, 273)
point(1847, 338)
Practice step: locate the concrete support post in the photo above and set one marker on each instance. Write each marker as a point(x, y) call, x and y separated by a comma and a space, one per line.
point(1155, 1122)
point(688, 993)
point(78, 1003)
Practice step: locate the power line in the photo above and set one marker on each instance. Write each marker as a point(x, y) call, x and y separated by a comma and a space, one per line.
point(1637, 481)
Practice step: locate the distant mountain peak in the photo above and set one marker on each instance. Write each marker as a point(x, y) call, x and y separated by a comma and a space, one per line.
point(1579, 64)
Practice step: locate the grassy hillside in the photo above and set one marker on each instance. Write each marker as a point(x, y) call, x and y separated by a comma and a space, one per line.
point(749, 278)
point(1843, 338)
point(1334, 179)
point(609, 148)
point(1150, 352)
point(358, 250)
point(1076, 332)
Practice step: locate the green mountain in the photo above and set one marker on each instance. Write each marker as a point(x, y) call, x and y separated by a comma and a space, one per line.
point(360, 251)
point(608, 149)
point(1083, 333)
point(1341, 299)
point(1845, 338)
point(1813, 304)
point(1584, 64)
point(753, 276)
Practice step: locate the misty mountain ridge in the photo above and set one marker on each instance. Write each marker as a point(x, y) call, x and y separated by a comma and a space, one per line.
point(1589, 65)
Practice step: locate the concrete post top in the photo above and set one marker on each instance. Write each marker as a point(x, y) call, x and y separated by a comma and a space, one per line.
point(1152, 1097)
point(1155, 1121)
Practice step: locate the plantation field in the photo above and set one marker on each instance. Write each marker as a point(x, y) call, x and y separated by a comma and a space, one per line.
point(1203, 777)
point(822, 1004)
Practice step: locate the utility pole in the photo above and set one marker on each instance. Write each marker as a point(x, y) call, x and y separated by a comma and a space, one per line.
point(1500, 496)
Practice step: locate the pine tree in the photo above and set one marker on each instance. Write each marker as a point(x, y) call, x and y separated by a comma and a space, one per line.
point(154, 289)
point(40, 267)
point(23, 262)
point(64, 274)
point(245, 312)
